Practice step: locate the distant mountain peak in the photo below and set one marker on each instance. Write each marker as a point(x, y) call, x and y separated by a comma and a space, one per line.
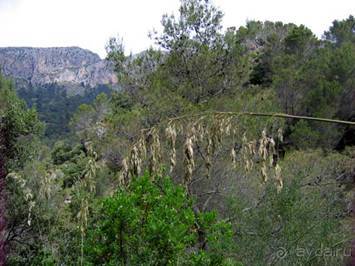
point(61, 65)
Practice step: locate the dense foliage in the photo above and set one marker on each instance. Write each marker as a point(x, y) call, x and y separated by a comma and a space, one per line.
point(84, 201)
point(19, 131)
point(55, 107)
point(153, 223)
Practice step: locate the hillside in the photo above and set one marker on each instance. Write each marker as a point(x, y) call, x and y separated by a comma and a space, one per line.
point(223, 147)
point(56, 81)
point(71, 66)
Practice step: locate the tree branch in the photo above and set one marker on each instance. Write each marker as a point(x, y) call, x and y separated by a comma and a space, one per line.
point(279, 115)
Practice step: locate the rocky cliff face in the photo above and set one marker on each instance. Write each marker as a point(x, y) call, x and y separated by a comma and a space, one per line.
point(70, 66)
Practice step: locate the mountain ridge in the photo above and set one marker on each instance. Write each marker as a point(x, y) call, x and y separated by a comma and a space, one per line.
point(73, 67)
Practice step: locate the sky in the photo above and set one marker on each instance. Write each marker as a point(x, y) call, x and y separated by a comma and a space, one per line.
point(90, 23)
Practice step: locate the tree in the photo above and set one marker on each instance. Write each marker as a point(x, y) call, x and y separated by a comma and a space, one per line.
point(199, 21)
point(298, 47)
point(192, 111)
point(153, 223)
point(302, 225)
point(201, 62)
point(18, 129)
point(341, 31)
point(265, 40)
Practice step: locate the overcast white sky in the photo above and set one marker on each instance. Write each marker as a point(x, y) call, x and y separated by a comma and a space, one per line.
point(90, 23)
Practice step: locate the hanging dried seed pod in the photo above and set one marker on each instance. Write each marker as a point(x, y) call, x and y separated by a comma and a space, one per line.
point(228, 127)
point(208, 157)
point(31, 205)
point(280, 134)
point(272, 151)
point(263, 152)
point(225, 126)
point(278, 177)
point(135, 162)
point(83, 215)
point(171, 135)
point(200, 132)
point(153, 152)
point(248, 165)
point(188, 159)
point(157, 148)
point(142, 149)
point(251, 148)
point(215, 133)
point(246, 154)
point(90, 173)
point(45, 185)
point(123, 179)
point(234, 157)
point(264, 172)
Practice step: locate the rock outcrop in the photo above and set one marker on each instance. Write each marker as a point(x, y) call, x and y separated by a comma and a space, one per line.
point(72, 66)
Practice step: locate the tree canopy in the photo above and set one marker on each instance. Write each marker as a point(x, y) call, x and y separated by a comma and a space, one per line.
point(222, 147)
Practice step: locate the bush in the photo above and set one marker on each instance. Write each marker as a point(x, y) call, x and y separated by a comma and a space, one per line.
point(153, 223)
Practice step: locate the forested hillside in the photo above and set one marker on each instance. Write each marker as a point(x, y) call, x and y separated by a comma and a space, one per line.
point(55, 107)
point(56, 81)
point(224, 147)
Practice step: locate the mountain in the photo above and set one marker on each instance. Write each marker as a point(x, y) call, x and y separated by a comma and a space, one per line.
point(56, 81)
point(74, 67)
